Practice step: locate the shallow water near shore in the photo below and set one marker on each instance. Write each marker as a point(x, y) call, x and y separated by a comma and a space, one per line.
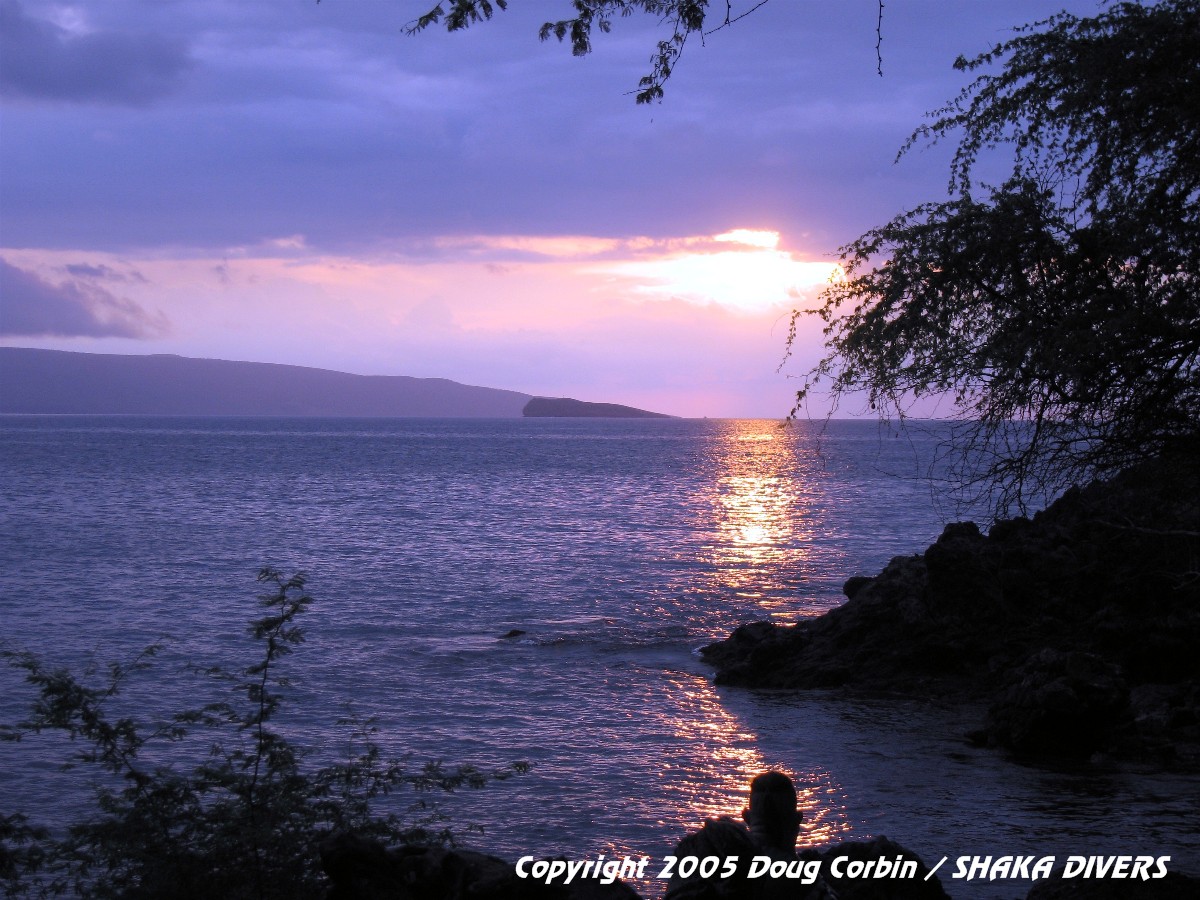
point(616, 547)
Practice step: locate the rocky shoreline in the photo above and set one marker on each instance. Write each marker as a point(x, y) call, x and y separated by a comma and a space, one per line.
point(1079, 628)
point(363, 869)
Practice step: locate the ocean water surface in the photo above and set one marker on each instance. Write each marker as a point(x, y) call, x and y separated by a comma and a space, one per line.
point(617, 547)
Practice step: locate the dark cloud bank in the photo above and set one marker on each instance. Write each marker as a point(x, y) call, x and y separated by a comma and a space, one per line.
point(31, 306)
point(39, 60)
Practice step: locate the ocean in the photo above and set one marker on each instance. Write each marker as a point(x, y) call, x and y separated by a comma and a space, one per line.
point(616, 547)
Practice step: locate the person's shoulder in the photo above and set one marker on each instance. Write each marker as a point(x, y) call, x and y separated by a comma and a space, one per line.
point(718, 840)
point(717, 837)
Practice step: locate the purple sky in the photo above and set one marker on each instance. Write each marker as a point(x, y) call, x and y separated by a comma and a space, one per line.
point(282, 181)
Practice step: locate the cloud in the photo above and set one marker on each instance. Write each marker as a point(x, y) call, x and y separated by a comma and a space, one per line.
point(87, 270)
point(42, 60)
point(31, 306)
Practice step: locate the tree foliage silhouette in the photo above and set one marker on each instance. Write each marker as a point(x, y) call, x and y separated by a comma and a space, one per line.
point(683, 19)
point(1059, 310)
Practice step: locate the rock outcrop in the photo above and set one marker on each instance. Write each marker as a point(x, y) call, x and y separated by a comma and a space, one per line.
point(1078, 627)
point(363, 869)
point(868, 888)
point(1172, 887)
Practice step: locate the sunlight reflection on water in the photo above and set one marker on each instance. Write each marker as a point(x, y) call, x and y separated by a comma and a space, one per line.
point(617, 548)
point(761, 500)
point(729, 758)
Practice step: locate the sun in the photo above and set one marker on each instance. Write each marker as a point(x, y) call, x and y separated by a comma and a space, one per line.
point(742, 269)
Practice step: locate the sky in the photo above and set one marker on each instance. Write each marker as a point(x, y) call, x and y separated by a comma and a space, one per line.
point(299, 182)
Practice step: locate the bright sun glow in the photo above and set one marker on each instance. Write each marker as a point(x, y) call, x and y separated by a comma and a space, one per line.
point(768, 240)
point(754, 277)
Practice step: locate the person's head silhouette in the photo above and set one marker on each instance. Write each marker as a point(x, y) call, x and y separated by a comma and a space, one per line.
point(771, 814)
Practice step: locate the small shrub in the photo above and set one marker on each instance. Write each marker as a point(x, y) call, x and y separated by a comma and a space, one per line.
point(246, 821)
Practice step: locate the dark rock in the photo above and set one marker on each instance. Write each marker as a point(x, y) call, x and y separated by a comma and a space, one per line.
point(358, 867)
point(752, 651)
point(363, 869)
point(1065, 704)
point(1172, 887)
point(882, 632)
point(854, 584)
point(1166, 720)
point(869, 888)
point(1008, 530)
point(1057, 621)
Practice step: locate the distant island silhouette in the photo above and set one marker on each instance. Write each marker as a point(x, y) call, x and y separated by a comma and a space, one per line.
point(564, 407)
point(62, 382)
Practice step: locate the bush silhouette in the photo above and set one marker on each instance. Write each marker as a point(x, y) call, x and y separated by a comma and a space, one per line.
point(245, 821)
